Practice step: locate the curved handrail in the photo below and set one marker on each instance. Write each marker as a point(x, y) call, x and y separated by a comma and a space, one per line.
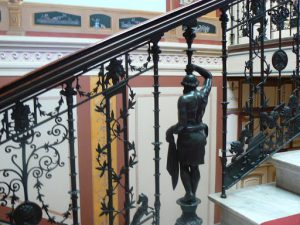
point(65, 68)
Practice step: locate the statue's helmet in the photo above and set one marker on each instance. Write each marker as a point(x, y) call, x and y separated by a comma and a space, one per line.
point(190, 80)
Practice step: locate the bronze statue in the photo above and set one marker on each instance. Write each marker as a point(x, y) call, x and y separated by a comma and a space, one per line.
point(192, 133)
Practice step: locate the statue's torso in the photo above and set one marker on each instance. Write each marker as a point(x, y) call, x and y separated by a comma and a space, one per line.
point(191, 108)
point(192, 139)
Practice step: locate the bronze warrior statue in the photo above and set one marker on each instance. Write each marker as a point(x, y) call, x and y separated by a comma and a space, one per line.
point(192, 133)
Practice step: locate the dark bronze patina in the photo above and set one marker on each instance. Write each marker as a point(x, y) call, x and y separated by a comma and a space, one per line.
point(28, 213)
point(279, 60)
point(192, 132)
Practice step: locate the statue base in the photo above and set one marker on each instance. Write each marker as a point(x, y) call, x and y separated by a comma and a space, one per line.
point(189, 216)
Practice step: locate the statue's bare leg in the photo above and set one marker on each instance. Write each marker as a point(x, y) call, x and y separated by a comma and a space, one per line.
point(185, 176)
point(195, 178)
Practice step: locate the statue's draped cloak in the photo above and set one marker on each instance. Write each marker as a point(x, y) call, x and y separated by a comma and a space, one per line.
point(173, 163)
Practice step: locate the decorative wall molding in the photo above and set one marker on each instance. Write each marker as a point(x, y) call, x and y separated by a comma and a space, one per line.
point(177, 62)
point(20, 55)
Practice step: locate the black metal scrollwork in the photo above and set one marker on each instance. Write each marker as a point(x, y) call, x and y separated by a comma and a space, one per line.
point(37, 161)
point(277, 125)
point(280, 14)
point(22, 121)
point(56, 111)
point(256, 52)
point(257, 7)
point(144, 66)
point(116, 132)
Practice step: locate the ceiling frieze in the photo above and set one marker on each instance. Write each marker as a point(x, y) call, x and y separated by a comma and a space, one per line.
point(18, 57)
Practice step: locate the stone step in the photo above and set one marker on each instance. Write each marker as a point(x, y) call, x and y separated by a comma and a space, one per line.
point(287, 170)
point(256, 205)
point(3, 223)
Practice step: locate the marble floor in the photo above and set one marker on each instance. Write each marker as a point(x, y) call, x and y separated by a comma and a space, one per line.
point(259, 204)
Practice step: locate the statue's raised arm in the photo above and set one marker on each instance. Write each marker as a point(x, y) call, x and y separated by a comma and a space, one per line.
point(205, 90)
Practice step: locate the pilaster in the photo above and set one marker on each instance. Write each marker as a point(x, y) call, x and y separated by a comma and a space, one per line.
point(15, 17)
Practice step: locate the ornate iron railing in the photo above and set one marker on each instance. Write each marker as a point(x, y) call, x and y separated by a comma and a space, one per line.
point(254, 22)
point(33, 154)
point(286, 19)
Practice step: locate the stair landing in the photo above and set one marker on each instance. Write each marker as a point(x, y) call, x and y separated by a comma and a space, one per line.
point(287, 170)
point(256, 205)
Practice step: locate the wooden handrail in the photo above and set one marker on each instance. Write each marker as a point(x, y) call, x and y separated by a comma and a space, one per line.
point(65, 68)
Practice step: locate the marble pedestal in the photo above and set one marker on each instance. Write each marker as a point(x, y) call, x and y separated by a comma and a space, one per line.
point(189, 216)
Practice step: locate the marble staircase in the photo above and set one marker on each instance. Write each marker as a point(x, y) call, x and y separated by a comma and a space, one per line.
point(276, 202)
point(3, 223)
point(288, 170)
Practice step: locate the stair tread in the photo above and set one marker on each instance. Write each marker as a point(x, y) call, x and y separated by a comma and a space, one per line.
point(260, 203)
point(291, 158)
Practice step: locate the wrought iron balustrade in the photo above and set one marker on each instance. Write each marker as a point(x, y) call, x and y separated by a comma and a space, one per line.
point(286, 18)
point(33, 154)
point(253, 24)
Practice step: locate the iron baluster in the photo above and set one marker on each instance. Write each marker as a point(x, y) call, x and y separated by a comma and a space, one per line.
point(69, 92)
point(189, 35)
point(279, 28)
point(103, 85)
point(231, 11)
point(35, 110)
point(127, 59)
point(24, 169)
point(244, 17)
point(238, 27)
point(125, 143)
point(6, 124)
point(279, 58)
point(279, 132)
point(271, 27)
point(109, 160)
point(250, 65)
point(290, 18)
point(21, 117)
point(224, 20)
point(262, 33)
point(297, 37)
point(155, 50)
